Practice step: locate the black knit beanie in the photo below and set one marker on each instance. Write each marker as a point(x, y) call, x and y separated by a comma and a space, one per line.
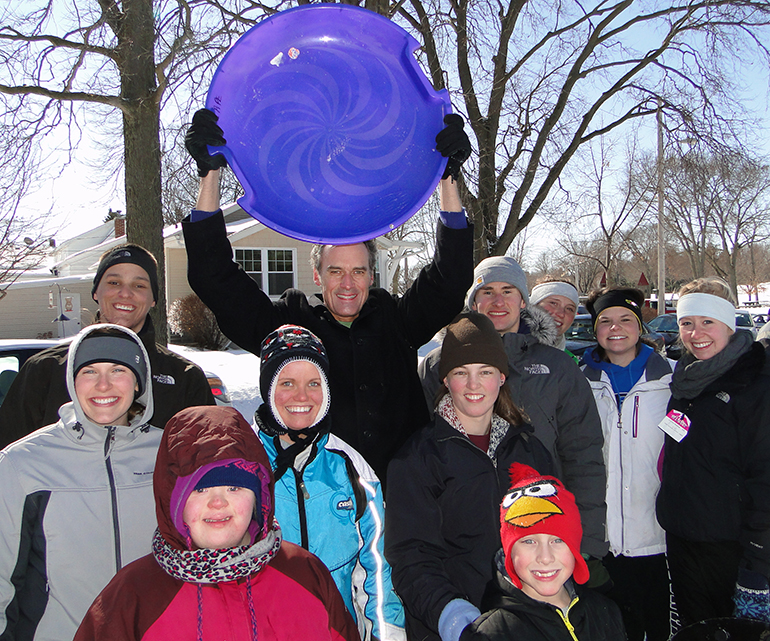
point(628, 297)
point(130, 253)
point(472, 338)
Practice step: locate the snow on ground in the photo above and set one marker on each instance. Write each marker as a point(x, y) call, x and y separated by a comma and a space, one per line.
point(238, 369)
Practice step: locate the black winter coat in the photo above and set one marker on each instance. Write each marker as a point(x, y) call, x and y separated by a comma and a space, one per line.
point(442, 526)
point(549, 386)
point(378, 399)
point(716, 481)
point(512, 615)
point(40, 388)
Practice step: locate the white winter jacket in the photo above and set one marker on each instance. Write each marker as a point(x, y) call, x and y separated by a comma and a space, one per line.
point(632, 446)
point(76, 504)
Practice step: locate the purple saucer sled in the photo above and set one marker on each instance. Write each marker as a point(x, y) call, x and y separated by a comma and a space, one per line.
point(330, 123)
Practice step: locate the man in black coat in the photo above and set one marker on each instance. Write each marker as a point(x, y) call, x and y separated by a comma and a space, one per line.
point(371, 336)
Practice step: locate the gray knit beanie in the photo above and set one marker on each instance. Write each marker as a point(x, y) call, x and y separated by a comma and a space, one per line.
point(498, 269)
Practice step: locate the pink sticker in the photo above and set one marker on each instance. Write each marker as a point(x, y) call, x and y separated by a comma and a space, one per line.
point(676, 425)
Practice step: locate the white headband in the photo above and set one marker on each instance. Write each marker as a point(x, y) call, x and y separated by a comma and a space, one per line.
point(707, 305)
point(544, 290)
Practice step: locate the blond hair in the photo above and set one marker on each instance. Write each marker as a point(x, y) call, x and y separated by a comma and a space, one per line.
point(709, 285)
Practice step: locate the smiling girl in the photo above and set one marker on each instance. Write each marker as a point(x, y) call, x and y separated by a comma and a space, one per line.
point(77, 495)
point(445, 486)
point(327, 498)
point(630, 383)
point(714, 500)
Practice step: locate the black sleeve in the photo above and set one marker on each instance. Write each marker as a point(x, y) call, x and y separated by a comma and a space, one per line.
point(244, 312)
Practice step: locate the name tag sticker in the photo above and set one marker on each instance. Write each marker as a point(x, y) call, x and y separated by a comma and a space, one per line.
point(676, 425)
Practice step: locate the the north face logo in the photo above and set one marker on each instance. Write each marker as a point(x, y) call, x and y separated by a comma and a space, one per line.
point(164, 378)
point(347, 504)
point(537, 368)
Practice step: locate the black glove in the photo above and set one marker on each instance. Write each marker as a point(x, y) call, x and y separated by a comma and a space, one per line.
point(599, 579)
point(205, 131)
point(453, 143)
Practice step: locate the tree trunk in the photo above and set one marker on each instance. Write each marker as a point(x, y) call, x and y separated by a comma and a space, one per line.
point(141, 129)
point(733, 273)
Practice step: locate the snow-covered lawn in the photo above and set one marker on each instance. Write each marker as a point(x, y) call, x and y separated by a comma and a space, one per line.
point(238, 369)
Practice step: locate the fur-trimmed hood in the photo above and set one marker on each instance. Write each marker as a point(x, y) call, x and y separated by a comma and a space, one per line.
point(541, 326)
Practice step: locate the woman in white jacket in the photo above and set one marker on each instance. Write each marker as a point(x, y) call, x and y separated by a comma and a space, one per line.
point(630, 383)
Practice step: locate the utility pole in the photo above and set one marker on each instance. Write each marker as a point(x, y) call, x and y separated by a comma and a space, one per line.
point(661, 239)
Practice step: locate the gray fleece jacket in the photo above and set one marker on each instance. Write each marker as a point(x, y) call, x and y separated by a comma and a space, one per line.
point(549, 386)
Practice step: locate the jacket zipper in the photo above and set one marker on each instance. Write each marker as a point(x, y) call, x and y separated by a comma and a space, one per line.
point(113, 498)
point(634, 433)
point(565, 619)
point(302, 496)
point(622, 476)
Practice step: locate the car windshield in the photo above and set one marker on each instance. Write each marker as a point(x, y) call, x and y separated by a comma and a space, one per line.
point(665, 323)
point(581, 330)
point(743, 319)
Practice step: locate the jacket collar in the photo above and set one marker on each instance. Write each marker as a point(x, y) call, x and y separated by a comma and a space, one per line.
point(656, 368)
point(540, 325)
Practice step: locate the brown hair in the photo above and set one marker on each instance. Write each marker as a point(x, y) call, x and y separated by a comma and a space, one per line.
point(554, 279)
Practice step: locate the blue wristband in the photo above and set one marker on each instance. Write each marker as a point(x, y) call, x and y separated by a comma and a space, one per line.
point(197, 215)
point(454, 219)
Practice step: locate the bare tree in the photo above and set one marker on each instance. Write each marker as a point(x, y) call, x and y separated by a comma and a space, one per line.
point(24, 245)
point(740, 195)
point(687, 209)
point(609, 208)
point(115, 57)
point(755, 270)
point(24, 241)
point(537, 80)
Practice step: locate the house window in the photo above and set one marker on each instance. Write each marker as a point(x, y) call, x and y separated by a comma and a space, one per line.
point(272, 269)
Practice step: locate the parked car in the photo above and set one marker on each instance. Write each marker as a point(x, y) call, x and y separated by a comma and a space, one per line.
point(15, 352)
point(218, 389)
point(760, 319)
point(744, 320)
point(580, 336)
point(668, 327)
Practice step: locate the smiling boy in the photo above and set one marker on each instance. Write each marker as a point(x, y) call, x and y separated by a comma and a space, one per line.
point(538, 595)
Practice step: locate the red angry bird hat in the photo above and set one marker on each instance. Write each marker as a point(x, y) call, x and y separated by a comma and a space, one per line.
point(537, 504)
